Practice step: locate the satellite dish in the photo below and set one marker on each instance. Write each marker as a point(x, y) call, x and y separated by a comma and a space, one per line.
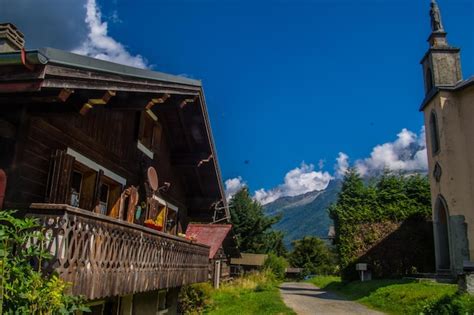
point(152, 178)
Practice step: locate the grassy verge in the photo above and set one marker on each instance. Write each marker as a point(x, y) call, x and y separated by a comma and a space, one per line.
point(254, 294)
point(402, 296)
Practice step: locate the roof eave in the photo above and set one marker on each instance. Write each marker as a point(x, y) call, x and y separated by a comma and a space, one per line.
point(59, 57)
point(461, 85)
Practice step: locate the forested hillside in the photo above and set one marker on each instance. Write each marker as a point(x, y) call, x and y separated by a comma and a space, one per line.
point(305, 214)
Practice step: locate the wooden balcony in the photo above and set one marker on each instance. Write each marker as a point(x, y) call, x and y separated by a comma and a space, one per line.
point(102, 256)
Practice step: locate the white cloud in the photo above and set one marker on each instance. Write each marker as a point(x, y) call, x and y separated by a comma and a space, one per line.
point(233, 186)
point(298, 181)
point(100, 45)
point(342, 164)
point(406, 153)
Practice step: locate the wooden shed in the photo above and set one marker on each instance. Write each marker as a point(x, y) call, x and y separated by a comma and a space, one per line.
point(247, 262)
point(221, 239)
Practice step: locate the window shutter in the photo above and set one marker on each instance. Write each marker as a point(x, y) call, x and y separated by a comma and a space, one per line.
point(59, 178)
point(157, 131)
point(98, 181)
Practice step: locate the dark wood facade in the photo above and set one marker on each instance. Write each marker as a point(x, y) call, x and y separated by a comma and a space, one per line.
point(77, 138)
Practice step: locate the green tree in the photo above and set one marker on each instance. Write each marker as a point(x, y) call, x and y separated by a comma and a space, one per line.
point(253, 228)
point(277, 265)
point(313, 255)
point(24, 289)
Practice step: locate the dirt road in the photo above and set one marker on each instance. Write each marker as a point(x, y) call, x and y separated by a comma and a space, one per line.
point(306, 299)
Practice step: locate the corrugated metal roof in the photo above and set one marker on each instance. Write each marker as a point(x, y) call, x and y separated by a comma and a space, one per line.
point(65, 58)
point(250, 260)
point(212, 235)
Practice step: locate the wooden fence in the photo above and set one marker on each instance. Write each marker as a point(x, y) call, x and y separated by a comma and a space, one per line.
point(102, 256)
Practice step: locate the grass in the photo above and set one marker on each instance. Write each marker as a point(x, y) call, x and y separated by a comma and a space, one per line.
point(401, 296)
point(254, 294)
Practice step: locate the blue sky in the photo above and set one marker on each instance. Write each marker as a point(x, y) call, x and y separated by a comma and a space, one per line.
point(286, 81)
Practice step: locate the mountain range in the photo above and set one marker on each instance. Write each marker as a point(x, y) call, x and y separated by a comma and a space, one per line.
point(304, 214)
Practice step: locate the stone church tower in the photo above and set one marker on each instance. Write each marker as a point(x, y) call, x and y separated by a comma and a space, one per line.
point(448, 109)
point(441, 64)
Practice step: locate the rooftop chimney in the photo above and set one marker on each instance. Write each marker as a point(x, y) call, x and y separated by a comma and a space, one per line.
point(11, 39)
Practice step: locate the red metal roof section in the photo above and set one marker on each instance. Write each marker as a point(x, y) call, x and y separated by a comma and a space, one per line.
point(212, 235)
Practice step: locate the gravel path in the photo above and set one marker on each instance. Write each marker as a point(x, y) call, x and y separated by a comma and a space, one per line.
point(306, 299)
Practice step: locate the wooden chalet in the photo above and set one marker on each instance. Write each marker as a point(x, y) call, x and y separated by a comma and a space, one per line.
point(221, 239)
point(248, 262)
point(115, 162)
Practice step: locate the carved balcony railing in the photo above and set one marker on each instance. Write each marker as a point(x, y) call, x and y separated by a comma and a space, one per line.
point(102, 256)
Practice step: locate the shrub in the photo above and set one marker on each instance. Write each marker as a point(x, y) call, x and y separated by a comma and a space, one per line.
point(24, 289)
point(451, 304)
point(194, 298)
point(277, 265)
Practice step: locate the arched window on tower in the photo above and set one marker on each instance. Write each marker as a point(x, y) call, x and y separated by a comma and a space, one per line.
point(428, 80)
point(434, 133)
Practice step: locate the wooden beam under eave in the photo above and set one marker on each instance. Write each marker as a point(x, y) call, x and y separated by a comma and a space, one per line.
point(187, 101)
point(160, 100)
point(64, 94)
point(96, 101)
point(190, 160)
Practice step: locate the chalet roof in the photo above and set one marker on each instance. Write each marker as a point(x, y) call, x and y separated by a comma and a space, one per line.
point(60, 57)
point(38, 77)
point(213, 235)
point(250, 260)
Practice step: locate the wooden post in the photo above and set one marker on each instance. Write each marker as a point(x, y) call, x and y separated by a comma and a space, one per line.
point(217, 273)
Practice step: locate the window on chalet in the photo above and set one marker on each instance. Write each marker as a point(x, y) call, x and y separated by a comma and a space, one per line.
point(82, 186)
point(149, 137)
point(171, 220)
point(161, 217)
point(434, 133)
point(90, 189)
point(76, 185)
point(164, 215)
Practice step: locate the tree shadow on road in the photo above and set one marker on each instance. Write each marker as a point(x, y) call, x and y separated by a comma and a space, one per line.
point(311, 292)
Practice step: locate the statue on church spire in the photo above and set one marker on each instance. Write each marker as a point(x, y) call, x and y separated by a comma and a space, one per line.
point(435, 13)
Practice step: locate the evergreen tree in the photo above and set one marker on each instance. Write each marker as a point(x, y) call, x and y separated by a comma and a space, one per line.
point(253, 228)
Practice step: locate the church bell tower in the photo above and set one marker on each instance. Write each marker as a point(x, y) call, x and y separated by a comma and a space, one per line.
point(442, 63)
